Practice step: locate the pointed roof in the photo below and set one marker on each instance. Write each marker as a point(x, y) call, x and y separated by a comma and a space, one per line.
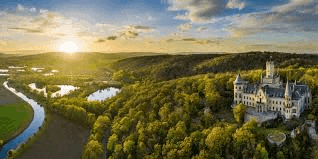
point(238, 79)
point(288, 92)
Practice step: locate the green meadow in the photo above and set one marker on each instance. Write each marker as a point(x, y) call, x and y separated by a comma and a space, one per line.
point(15, 115)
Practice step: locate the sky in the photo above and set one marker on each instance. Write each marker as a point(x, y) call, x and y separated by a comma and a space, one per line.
point(169, 26)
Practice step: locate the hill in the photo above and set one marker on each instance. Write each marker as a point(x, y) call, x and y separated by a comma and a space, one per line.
point(167, 67)
point(92, 64)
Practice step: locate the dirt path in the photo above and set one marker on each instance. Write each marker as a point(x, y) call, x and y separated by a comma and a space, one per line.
point(62, 139)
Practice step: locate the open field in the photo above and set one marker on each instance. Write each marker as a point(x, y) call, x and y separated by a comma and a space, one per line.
point(60, 139)
point(15, 114)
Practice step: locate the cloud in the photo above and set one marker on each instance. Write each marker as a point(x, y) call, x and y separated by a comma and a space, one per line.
point(201, 29)
point(33, 10)
point(294, 16)
point(129, 34)
point(201, 10)
point(204, 42)
point(185, 27)
point(103, 27)
point(291, 6)
point(43, 11)
point(20, 8)
point(133, 31)
point(169, 40)
point(27, 30)
point(31, 20)
point(112, 38)
point(24, 20)
point(188, 39)
point(100, 40)
point(235, 4)
point(142, 27)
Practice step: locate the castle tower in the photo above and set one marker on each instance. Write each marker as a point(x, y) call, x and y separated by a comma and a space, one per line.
point(239, 86)
point(270, 69)
point(270, 78)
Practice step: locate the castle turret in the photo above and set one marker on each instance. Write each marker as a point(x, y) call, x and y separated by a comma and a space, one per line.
point(270, 69)
point(288, 102)
point(239, 86)
point(287, 91)
point(238, 79)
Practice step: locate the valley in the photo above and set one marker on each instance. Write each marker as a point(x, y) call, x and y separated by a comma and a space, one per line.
point(168, 106)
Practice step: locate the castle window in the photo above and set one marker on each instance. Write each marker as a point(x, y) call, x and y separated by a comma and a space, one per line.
point(280, 103)
point(235, 87)
point(240, 87)
point(273, 102)
point(280, 109)
point(294, 110)
point(276, 102)
point(273, 108)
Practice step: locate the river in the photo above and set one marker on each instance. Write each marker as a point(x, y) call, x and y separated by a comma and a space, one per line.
point(101, 95)
point(33, 127)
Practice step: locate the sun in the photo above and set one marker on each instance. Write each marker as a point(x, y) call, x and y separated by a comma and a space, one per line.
point(68, 47)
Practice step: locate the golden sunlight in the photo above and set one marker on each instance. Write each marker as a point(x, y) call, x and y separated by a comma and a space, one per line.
point(68, 47)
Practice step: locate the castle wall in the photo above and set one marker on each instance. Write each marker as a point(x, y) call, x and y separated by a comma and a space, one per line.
point(274, 104)
point(248, 99)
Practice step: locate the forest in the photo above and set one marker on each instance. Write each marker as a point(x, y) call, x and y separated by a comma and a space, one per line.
point(178, 106)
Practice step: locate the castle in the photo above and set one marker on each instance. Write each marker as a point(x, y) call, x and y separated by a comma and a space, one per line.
point(272, 96)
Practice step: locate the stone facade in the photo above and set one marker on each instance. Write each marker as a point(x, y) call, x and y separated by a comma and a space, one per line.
point(272, 96)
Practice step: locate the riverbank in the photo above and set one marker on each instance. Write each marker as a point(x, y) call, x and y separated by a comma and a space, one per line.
point(15, 115)
point(32, 128)
point(23, 147)
point(59, 138)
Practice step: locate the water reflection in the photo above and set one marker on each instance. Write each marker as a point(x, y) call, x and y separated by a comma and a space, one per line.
point(101, 95)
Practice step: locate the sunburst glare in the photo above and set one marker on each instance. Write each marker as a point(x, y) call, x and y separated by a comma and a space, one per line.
point(69, 47)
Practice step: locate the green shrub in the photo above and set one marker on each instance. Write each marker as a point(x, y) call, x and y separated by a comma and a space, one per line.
point(239, 112)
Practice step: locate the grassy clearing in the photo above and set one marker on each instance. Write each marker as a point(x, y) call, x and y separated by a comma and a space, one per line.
point(15, 115)
point(14, 118)
point(58, 138)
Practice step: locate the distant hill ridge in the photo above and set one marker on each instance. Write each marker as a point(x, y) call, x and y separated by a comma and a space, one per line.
point(166, 67)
